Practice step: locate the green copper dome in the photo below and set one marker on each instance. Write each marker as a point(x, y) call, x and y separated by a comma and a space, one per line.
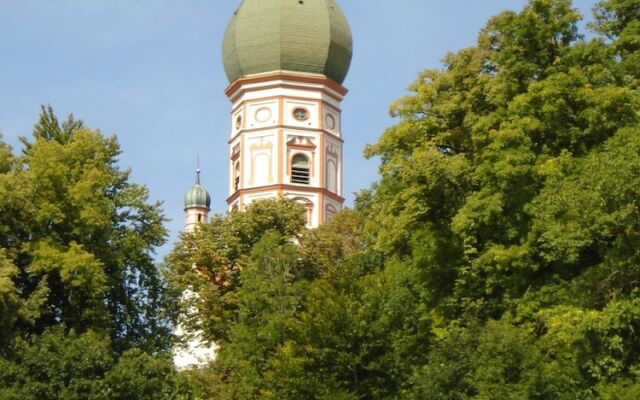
point(293, 35)
point(197, 196)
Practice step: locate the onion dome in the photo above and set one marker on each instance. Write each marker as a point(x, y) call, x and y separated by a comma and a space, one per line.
point(197, 196)
point(292, 35)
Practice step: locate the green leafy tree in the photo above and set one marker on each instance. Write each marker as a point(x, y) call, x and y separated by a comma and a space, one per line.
point(510, 185)
point(49, 128)
point(78, 237)
point(482, 141)
point(209, 262)
point(496, 258)
point(82, 303)
point(67, 365)
point(139, 375)
point(319, 319)
point(56, 365)
point(618, 21)
point(269, 296)
point(11, 305)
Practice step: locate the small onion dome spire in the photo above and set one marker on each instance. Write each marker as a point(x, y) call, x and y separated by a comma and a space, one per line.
point(197, 196)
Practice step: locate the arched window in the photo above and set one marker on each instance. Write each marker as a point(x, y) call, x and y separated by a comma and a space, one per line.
point(332, 181)
point(261, 170)
point(300, 169)
point(308, 205)
point(330, 212)
point(199, 217)
point(236, 176)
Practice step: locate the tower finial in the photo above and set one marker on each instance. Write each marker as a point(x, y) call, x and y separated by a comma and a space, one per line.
point(198, 169)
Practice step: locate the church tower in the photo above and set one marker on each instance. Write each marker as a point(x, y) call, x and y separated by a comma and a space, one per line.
point(196, 205)
point(286, 61)
point(195, 352)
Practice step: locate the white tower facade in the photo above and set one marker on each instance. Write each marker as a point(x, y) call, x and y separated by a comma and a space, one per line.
point(286, 141)
point(286, 61)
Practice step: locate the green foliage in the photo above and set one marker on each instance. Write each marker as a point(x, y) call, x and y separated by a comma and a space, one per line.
point(48, 127)
point(209, 262)
point(78, 237)
point(314, 320)
point(138, 375)
point(620, 391)
point(496, 258)
point(10, 302)
point(81, 300)
point(619, 21)
point(482, 147)
point(511, 183)
point(67, 365)
point(57, 364)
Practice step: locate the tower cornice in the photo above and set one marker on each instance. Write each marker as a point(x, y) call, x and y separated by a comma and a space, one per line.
point(291, 127)
point(201, 208)
point(290, 79)
point(283, 188)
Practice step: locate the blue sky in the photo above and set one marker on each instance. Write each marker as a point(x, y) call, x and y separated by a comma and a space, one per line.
point(150, 71)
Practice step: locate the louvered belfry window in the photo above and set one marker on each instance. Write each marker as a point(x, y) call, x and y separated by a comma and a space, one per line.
point(300, 169)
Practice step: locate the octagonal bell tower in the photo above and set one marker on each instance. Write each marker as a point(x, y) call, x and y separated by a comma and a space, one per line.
point(286, 61)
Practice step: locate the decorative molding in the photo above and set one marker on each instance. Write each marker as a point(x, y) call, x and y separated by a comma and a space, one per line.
point(302, 145)
point(263, 114)
point(235, 152)
point(301, 142)
point(330, 121)
point(333, 135)
point(287, 79)
point(284, 188)
point(331, 152)
point(258, 149)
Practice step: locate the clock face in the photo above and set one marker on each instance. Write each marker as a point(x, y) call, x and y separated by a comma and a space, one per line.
point(301, 114)
point(330, 121)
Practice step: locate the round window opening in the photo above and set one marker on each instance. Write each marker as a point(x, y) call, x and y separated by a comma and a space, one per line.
point(301, 114)
point(238, 122)
point(331, 122)
point(263, 114)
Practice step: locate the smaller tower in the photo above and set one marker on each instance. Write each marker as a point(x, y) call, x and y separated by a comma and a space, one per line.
point(196, 205)
point(195, 352)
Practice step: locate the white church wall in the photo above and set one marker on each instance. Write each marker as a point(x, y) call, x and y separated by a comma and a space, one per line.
point(279, 119)
point(250, 198)
point(310, 121)
point(286, 89)
point(332, 176)
point(195, 216)
point(261, 175)
point(310, 201)
point(331, 100)
point(262, 114)
point(331, 119)
point(195, 351)
point(260, 158)
point(237, 121)
point(333, 154)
